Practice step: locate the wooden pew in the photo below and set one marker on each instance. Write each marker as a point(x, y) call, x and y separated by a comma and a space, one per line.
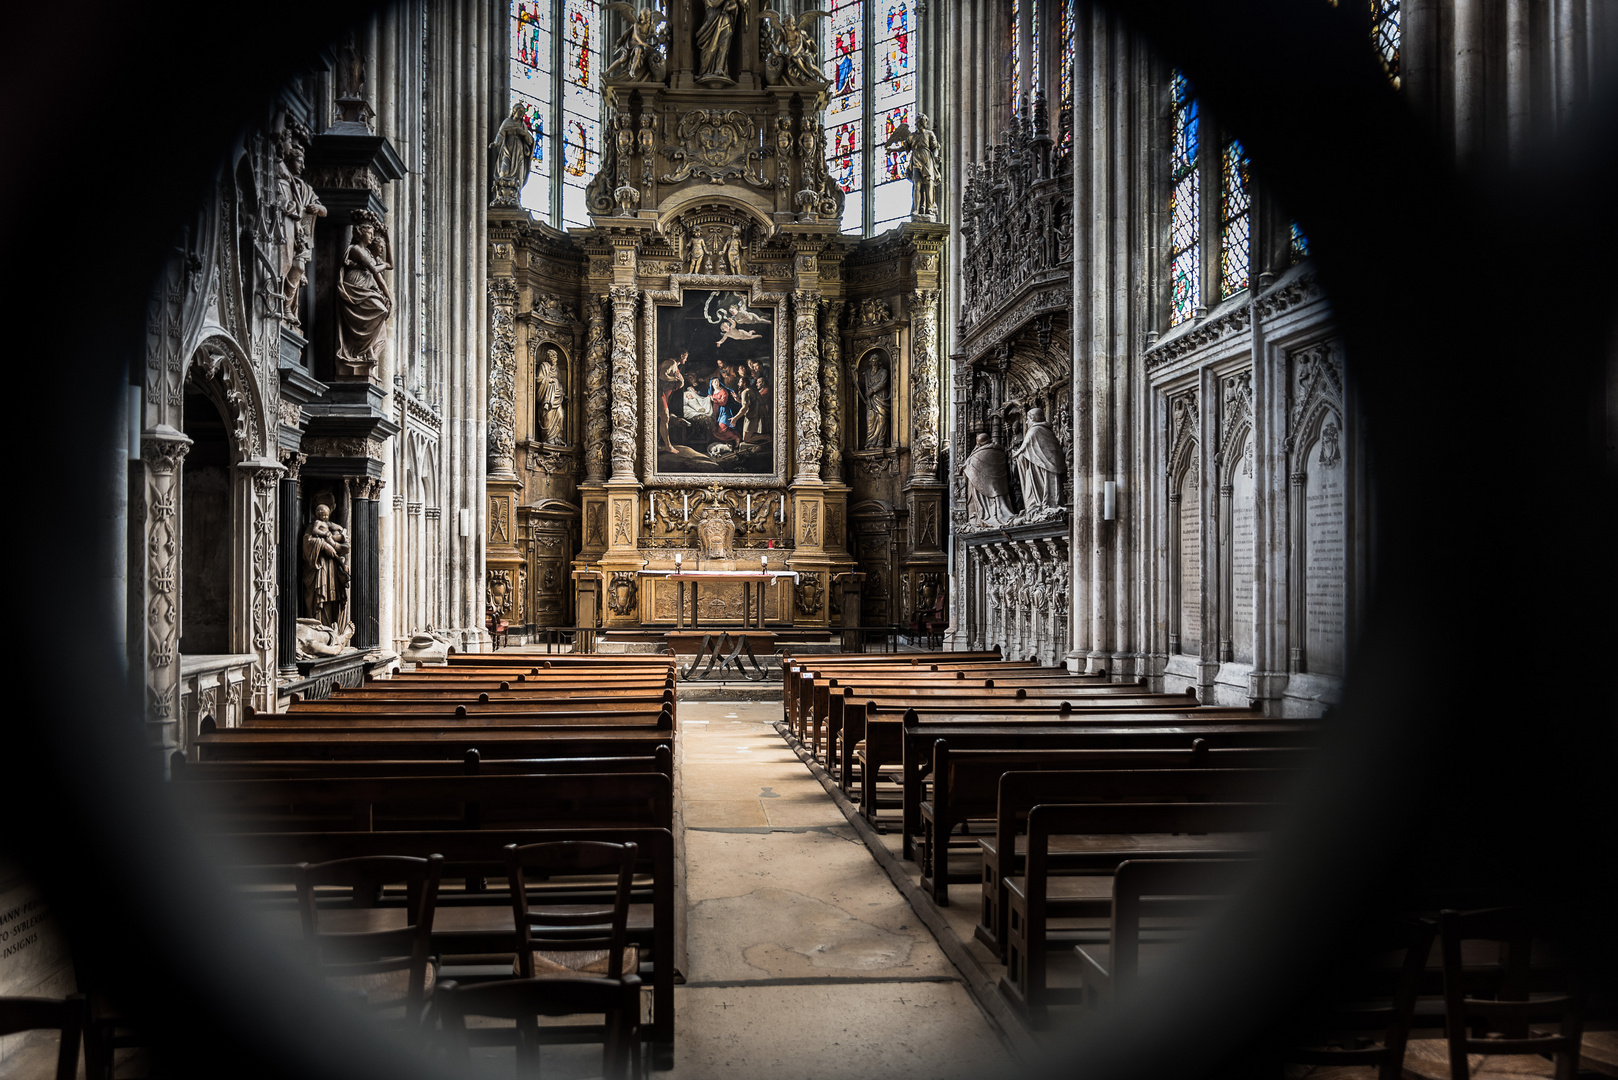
point(798, 682)
point(335, 743)
point(795, 670)
point(1028, 778)
point(1167, 731)
point(479, 925)
point(1098, 837)
point(559, 660)
point(472, 765)
point(490, 707)
point(472, 716)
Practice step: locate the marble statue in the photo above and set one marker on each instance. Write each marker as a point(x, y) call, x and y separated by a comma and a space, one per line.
point(427, 647)
point(876, 400)
point(922, 144)
point(794, 60)
point(552, 398)
point(516, 144)
point(640, 46)
point(1040, 464)
point(325, 570)
point(316, 640)
point(986, 483)
point(364, 300)
point(298, 202)
point(713, 40)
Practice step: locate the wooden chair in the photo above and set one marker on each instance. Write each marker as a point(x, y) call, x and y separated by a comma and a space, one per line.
point(578, 939)
point(37, 1014)
point(522, 1000)
point(384, 968)
point(1337, 1042)
point(499, 629)
point(1493, 1036)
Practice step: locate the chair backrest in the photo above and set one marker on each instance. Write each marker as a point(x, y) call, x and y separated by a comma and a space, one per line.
point(523, 999)
point(1504, 1018)
point(1176, 889)
point(359, 957)
point(1383, 997)
point(37, 1013)
point(587, 927)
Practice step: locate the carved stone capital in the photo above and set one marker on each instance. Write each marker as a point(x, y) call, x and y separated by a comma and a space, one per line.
point(164, 450)
point(365, 487)
point(292, 462)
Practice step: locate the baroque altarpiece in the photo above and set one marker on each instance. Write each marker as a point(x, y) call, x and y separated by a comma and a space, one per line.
point(711, 375)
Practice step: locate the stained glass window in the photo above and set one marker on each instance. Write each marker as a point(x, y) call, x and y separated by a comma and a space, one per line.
point(1299, 249)
point(1235, 219)
point(895, 106)
point(1014, 67)
point(556, 82)
point(844, 65)
point(532, 90)
point(1034, 64)
point(1385, 35)
point(1069, 42)
point(1185, 211)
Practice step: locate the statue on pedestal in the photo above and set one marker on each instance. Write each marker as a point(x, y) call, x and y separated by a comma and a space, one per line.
point(794, 60)
point(640, 47)
point(298, 202)
point(987, 484)
point(516, 145)
point(326, 629)
point(713, 40)
point(923, 147)
point(876, 400)
point(552, 398)
point(364, 300)
point(1039, 464)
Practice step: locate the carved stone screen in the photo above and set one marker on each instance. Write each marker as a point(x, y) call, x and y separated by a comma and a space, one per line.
point(1242, 558)
point(1325, 537)
point(1190, 565)
point(717, 386)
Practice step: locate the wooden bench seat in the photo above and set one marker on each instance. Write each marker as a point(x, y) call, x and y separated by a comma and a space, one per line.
point(249, 744)
point(799, 685)
point(651, 715)
point(1031, 904)
point(662, 762)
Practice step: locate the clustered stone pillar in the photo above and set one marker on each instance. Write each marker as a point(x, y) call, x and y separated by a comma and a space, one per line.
point(806, 380)
point(831, 389)
point(624, 375)
point(597, 382)
point(287, 551)
point(503, 380)
point(363, 598)
point(924, 381)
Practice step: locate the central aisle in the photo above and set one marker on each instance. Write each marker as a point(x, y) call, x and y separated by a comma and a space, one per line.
point(803, 960)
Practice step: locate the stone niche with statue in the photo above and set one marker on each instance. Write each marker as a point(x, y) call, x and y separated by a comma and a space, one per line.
point(711, 375)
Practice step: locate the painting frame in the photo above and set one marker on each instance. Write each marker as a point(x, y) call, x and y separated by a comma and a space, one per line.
point(758, 297)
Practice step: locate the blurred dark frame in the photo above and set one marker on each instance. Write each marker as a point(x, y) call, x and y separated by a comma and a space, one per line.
point(1478, 313)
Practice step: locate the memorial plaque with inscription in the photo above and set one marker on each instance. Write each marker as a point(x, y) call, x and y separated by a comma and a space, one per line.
point(1325, 551)
point(1243, 559)
point(1190, 566)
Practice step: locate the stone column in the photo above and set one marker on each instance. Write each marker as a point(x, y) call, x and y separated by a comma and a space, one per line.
point(831, 390)
point(161, 451)
point(597, 383)
point(365, 565)
point(262, 566)
point(503, 380)
point(624, 377)
point(924, 383)
point(806, 384)
point(287, 553)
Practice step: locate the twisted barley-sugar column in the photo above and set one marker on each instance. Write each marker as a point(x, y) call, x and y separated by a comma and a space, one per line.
point(806, 380)
point(503, 380)
point(924, 382)
point(624, 373)
point(831, 389)
point(597, 380)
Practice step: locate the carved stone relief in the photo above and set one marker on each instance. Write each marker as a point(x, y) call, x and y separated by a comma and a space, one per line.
point(502, 378)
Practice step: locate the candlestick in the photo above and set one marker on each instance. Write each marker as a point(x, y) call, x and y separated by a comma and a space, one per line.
point(677, 562)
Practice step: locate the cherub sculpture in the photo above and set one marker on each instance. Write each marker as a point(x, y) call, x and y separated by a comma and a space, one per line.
point(795, 60)
point(640, 46)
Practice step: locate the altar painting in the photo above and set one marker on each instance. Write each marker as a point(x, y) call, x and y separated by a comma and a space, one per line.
point(716, 385)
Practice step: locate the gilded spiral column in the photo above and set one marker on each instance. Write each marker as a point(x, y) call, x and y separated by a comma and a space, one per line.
point(831, 390)
point(624, 375)
point(806, 383)
point(597, 382)
point(503, 380)
point(924, 382)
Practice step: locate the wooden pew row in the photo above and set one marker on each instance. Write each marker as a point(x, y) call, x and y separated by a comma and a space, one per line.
point(392, 803)
point(845, 714)
point(472, 765)
point(794, 670)
point(560, 660)
point(968, 794)
point(872, 735)
point(1023, 779)
point(478, 926)
point(1104, 733)
point(473, 716)
point(516, 679)
point(798, 681)
point(442, 743)
point(821, 693)
point(560, 710)
point(1098, 837)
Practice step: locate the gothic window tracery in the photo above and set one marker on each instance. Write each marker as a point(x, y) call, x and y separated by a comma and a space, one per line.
point(873, 95)
point(845, 116)
point(1235, 219)
point(1185, 204)
point(556, 80)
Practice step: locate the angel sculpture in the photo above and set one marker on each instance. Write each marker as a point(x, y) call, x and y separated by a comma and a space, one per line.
point(640, 46)
point(795, 61)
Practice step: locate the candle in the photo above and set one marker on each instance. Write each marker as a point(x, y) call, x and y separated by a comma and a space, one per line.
point(749, 506)
point(764, 564)
point(781, 511)
point(676, 562)
point(685, 505)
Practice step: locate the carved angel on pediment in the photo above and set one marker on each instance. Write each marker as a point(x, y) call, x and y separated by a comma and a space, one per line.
point(794, 60)
point(640, 47)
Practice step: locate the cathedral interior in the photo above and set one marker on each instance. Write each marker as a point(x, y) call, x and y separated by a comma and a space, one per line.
point(1172, 343)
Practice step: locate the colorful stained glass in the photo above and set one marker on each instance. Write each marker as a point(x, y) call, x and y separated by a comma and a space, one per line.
point(1386, 35)
point(1014, 65)
point(894, 160)
point(895, 106)
point(1033, 53)
point(580, 47)
point(1299, 249)
point(1235, 219)
point(532, 92)
point(1069, 44)
point(844, 67)
point(843, 142)
point(1185, 206)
